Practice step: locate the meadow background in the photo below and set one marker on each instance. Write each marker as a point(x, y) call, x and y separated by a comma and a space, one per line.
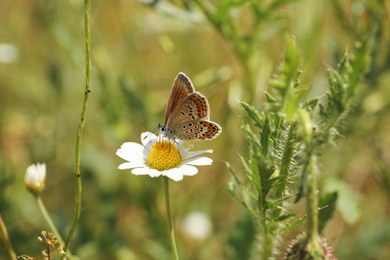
point(137, 50)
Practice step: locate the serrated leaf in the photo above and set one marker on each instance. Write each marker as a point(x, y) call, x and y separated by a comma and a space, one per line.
point(344, 66)
point(288, 226)
point(322, 111)
point(269, 98)
point(292, 104)
point(256, 177)
point(252, 137)
point(361, 59)
point(245, 164)
point(310, 104)
point(297, 81)
point(253, 114)
point(265, 174)
point(265, 137)
point(285, 217)
point(238, 182)
point(285, 162)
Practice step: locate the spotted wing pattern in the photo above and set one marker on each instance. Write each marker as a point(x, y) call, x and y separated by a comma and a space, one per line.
point(190, 120)
point(201, 129)
point(187, 115)
point(181, 88)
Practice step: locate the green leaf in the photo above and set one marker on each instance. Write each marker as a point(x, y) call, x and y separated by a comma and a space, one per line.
point(285, 217)
point(265, 137)
point(327, 203)
point(310, 104)
point(291, 104)
point(253, 114)
point(245, 164)
point(288, 226)
point(269, 98)
point(348, 199)
point(237, 181)
point(287, 150)
point(256, 177)
point(361, 59)
point(266, 181)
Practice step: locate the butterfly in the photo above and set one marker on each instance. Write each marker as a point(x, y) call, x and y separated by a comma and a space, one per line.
point(187, 115)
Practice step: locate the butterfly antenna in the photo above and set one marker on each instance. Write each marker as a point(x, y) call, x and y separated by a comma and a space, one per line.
point(154, 131)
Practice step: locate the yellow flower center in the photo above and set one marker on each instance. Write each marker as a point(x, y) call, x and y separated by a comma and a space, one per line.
point(163, 156)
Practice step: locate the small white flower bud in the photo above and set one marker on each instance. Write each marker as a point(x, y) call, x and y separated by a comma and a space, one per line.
point(35, 178)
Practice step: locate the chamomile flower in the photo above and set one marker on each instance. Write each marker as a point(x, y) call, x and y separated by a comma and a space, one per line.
point(35, 178)
point(158, 156)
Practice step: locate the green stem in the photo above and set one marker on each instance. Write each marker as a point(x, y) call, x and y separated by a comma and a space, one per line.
point(52, 226)
point(243, 48)
point(5, 240)
point(170, 227)
point(82, 122)
point(312, 202)
point(268, 242)
point(49, 221)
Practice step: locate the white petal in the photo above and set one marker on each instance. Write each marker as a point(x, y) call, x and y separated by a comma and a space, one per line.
point(173, 174)
point(133, 156)
point(35, 173)
point(130, 165)
point(179, 143)
point(129, 150)
point(199, 161)
point(131, 146)
point(146, 171)
point(187, 170)
point(141, 171)
point(195, 153)
point(183, 150)
point(148, 139)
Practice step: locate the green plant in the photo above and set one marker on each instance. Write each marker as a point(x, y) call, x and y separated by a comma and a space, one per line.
point(287, 140)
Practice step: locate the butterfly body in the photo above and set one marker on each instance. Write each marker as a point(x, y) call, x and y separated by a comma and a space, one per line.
point(187, 115)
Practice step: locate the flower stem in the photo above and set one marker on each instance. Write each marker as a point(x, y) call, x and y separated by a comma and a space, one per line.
point(82, 122)
point(52, 226)
point(49, 221)
point(170, 227)
point(5, 240)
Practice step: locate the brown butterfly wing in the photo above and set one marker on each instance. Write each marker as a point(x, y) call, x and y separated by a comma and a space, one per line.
point(181, 88)
point(198, 129)
point(190, 119)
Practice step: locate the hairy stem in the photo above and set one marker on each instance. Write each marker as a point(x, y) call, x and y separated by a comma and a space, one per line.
point(312, 201)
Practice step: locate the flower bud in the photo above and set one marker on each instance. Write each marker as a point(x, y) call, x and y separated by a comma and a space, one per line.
point(301, 248)
point(35, 178)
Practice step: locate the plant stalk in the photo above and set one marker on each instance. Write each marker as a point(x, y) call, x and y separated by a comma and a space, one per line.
point(6, 241)
point(82, 122)
point(170, 226)
point(52, 227)
point(49, 221)
point(312, 202)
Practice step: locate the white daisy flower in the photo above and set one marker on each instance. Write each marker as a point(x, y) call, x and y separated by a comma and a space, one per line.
point(35, 178)
point(157, 156)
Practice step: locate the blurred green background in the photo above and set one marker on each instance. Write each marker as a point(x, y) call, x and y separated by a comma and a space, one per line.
point(137, 51)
